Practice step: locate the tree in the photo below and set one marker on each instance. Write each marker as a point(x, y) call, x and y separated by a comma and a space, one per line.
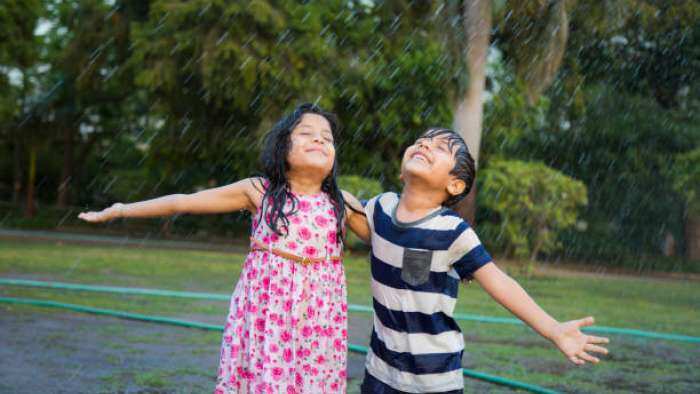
point(86, 48)
point(391, 82)
point(646, 54)
point(221, 74)
point(218, 73)
point(18, 52)
point(641, 46)
point(541, 48)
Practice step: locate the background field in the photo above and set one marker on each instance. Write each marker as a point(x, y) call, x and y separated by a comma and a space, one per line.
point(63, 350)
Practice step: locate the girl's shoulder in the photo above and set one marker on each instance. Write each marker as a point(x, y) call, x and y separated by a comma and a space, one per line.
point(258, 183)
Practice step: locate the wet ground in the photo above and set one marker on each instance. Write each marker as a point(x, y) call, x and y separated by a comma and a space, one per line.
point(48, 351)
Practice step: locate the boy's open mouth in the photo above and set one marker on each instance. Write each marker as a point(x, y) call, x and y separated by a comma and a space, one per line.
point(420, 155)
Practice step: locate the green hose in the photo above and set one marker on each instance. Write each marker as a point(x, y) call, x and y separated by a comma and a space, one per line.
point(190, 324)
point(111, 312)
point(114, 289)
point(351, 307)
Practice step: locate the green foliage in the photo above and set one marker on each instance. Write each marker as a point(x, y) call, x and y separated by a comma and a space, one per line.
point(685, 172)
point(222, 73)
point(620, 149)
point(533, 203)
point(18, 19)
point(360, 187)
point(18, 49)
point(646, 47)
point(176, 95)
point(397, 88)
point(508, 116)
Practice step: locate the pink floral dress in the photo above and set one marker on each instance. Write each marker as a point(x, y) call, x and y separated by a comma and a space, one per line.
point(286, 331)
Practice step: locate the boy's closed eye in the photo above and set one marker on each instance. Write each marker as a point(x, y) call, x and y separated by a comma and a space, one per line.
point(441, 144)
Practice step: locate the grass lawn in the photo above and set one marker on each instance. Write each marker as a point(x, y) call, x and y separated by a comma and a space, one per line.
point(510, 351)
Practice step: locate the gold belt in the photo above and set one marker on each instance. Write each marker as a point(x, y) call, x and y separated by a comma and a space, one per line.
point(304, 260)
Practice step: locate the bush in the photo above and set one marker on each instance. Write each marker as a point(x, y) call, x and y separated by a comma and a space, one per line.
point(533, 204)
point(360, 187)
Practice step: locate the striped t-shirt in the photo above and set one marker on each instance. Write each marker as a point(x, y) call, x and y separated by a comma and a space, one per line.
point(416, 345)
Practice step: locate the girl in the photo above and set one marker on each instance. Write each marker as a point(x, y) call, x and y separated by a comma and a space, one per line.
point(286, 331)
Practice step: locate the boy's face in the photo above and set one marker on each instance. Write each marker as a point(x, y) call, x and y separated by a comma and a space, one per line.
point(431, 160)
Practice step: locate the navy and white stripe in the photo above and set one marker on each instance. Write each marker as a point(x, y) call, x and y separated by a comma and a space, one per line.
point(416, 345)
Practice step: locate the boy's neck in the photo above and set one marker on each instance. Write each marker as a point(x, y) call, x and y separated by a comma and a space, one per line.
point(416, 202)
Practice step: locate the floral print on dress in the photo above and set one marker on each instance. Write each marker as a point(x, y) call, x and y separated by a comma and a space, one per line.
point(286, 331)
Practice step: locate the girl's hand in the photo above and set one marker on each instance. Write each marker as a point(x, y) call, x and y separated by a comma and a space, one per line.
point(576, 345)
point(104, 215)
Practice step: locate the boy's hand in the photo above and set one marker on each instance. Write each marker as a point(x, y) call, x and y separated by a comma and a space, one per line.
point(104, 215)
point(574, 344)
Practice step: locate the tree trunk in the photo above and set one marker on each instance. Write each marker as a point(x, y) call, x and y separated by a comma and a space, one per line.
point(30, 209)
point(16, 170)
point(539, 68)
point(67, 171)
point(467, 207)
point(692, 237)
point(166, 227)
point(539, 241)
point(470, 106)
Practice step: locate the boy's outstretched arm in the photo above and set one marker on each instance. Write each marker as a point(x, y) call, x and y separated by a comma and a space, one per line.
point(567, 336)
point(356, 218)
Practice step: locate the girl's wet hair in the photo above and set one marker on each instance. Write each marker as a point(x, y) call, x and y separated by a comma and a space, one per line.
point(274, 166)
point(464, 168)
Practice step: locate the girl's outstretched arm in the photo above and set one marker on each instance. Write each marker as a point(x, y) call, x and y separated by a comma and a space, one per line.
point(244, 194)
point(356, 219)
point(567, 336)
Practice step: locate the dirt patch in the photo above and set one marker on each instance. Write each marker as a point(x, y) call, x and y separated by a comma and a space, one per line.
point(75, 353)
point(65, 352)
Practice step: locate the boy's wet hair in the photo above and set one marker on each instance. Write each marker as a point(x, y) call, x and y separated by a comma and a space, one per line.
point(464, 168)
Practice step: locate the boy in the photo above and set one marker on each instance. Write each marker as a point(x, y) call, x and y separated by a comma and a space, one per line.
point(421, 250)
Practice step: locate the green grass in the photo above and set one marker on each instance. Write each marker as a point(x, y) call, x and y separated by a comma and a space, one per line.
point(510, 351)
point(154, 381)
point(643, 303)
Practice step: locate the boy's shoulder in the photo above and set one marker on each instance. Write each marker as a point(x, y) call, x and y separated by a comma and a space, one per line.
point(385, 200)
point(445, 223)
point(384, 197)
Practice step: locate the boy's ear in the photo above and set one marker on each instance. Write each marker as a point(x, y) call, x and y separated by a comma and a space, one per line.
point(456, 186)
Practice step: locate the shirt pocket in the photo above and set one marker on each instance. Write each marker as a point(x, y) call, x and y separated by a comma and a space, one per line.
point(415, 269)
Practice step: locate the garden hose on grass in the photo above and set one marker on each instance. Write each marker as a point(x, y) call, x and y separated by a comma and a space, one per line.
point(351, 307)
point(191, 324)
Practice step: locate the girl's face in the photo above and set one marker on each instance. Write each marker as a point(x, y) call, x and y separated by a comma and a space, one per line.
point(312, 146)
